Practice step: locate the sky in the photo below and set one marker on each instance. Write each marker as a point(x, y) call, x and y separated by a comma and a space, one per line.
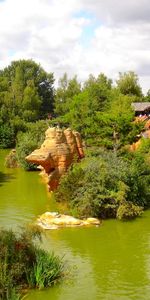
point(79, 37)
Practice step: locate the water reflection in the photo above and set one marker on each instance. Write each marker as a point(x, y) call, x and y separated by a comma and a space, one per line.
point(5, 177)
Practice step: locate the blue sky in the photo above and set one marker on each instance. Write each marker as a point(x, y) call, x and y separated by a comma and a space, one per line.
point(89, 29)
point(78, 36)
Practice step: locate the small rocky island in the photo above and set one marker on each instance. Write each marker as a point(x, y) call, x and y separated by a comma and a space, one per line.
point(57, 153)
point(54, 220)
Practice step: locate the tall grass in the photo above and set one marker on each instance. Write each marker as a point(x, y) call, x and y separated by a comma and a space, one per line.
point(24, 265)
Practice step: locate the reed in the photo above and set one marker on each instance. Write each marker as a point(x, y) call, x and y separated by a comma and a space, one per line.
point(24, 265)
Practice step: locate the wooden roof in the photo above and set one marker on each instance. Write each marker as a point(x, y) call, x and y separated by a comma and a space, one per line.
point(140, 106)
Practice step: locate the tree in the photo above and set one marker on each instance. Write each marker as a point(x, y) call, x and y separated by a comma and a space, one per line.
point(116, 127)
point(98, 90)
point(79, 108)
point(66, 90)
point(31, 102)
point(14, 79)
point(26, 95)
point(128, 84)
point(147, 96)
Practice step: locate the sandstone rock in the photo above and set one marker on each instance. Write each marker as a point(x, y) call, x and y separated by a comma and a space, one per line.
point(147, 124)
point(93, 221)
point(50, 220)
point(57, 153)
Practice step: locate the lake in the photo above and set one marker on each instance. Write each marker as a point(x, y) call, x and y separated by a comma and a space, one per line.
point(107, 262)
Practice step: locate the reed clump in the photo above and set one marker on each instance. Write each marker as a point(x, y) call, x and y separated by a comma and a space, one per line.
point(24, 265)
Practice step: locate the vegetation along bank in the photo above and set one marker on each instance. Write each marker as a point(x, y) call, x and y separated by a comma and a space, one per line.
point(112, 180)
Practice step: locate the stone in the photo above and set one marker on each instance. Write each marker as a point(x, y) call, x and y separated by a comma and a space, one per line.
point(145, 132)
point(53, 220)
point(57, 153)
point(93, 221)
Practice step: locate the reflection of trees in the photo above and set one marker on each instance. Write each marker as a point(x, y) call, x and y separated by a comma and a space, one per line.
point(5, 177)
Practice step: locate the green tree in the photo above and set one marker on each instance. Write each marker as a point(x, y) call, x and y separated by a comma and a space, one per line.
point(128, 84)
point(66, 90)
point(14, 79)
point(26, 94)
point(31, 102)
point(98, 90)
point(116, 122)
point(80, 108)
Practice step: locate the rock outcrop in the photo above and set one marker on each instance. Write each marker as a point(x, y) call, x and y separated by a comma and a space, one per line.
point(54, 220)
point(145, 132)
point(57, 153)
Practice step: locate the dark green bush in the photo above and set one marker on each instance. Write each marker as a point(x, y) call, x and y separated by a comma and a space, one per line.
point(29, 141)
point(25, 145)
point(99, 185)
point(7, 136)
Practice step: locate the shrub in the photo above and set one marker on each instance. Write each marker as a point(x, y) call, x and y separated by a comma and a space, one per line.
point(7, 136)
point(23, 264)
point(144, 146)
point(11, 159)
point(29, 141)
point(99, 185)
point(25, 145)
point(128, 210)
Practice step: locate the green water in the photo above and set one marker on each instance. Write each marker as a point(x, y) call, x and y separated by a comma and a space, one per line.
point(107, 262)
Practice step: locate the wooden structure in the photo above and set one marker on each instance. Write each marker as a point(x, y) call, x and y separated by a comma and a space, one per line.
point(141, 108)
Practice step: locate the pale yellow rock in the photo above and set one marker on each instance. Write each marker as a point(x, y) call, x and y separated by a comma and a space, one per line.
point(59, 222)
point(50, 220)
point(93, 221)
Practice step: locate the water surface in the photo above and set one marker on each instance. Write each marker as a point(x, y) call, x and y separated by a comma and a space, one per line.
point(107, 262)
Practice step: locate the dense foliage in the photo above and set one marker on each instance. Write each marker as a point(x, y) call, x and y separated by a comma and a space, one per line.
point(107, 186)
point(101, 112)
point(29, 141)
point(26, 95)
point(111, 181)
point(24, 265)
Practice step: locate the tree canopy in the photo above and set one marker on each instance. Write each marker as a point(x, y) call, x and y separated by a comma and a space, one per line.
point(128, 84)
point(26, 95)
point(26, 79)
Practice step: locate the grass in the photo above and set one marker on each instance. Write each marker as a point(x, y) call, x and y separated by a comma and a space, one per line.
point(24, 265)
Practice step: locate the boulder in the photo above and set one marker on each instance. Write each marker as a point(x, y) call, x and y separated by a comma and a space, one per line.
point(54, 220)
point(57, 153)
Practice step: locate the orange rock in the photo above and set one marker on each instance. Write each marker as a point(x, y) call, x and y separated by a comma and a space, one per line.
point(57, 153)
point(135, 146)
point(147, 125)
point(79, 144)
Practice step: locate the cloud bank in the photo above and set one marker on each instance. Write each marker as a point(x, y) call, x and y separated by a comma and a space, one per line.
point(78, 36)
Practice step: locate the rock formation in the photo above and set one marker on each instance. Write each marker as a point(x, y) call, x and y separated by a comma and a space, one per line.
point(57, 153)
point(54, 220)
point(145, 132)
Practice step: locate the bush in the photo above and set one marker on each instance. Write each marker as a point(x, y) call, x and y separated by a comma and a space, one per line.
point(29, 141)
point(11, 159)
point(144, 146)
point(23, 264)
point(127, 210)
point(99, 185)
point(25, 145)
point(7, 136)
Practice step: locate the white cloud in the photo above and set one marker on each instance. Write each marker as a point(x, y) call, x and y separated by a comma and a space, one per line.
point(114, 11)
point(51, 32)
